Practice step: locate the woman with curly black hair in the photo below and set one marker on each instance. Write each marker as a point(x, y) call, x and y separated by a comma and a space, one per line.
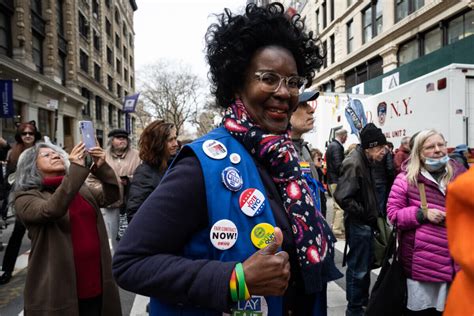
point(233, 227)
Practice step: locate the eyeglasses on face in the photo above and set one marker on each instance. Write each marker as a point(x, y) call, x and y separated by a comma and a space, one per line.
point(27, 133)
point(48, 154)
point(271, 82)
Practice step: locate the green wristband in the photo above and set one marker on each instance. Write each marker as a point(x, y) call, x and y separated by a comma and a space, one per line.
point(239, 271)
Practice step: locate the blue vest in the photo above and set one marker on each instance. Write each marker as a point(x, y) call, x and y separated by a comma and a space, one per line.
point(223, 203)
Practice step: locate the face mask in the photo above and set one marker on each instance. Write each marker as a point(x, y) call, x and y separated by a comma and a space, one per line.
point(434, 164)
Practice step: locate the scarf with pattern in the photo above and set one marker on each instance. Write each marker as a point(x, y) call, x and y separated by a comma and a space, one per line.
point(313, 238)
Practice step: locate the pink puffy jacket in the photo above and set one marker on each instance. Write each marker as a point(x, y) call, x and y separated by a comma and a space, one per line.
point(424, 250)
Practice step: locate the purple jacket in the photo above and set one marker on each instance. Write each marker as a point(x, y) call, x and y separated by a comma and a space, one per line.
point(424, 251)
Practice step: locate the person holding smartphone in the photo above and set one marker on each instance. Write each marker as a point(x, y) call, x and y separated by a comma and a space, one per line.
point(69, 267)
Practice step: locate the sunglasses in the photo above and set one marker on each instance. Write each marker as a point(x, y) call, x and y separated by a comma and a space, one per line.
point(27, 133)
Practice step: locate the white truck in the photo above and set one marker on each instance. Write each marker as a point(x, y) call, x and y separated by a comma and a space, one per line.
point(442, 99)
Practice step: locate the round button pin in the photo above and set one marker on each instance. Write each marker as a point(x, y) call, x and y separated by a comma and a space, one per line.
point(232, 179)
point(252, 202)
point(214, 149)
point(234, 158)
point(262, 234)
point(223, 234)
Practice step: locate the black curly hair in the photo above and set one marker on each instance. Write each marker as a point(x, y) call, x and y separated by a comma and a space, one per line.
point(233, 40)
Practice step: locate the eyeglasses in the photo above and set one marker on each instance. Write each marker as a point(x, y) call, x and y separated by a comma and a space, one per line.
point(271, 82)
point(48, 154)
point(27, 133)
point(441, 146)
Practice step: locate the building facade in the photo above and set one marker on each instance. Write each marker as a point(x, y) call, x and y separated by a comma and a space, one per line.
point(69, 60)
point(367, 40)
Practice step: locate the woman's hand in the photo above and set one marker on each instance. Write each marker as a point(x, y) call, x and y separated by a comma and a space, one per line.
point(267, 271)
point(98, 155)
point(436, 216)
point(78, 154)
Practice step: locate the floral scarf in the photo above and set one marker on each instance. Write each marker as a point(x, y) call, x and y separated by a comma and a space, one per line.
point(313, 238)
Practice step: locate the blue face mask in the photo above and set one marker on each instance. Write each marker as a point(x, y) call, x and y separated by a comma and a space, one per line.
point(434, 164)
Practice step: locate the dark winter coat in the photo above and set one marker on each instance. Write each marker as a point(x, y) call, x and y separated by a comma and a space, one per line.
point(334, 158)
point(145, 179)
point(355, 192)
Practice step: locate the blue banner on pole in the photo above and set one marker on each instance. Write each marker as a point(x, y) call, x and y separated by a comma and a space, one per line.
point(130, 103)
point(355, 115)
point(6, 95)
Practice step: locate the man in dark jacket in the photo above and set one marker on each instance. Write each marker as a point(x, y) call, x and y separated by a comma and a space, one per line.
point(383, 174)
point(355, 193)
point(334, 158)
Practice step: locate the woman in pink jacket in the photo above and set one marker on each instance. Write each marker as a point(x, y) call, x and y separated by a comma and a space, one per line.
point(424, 250)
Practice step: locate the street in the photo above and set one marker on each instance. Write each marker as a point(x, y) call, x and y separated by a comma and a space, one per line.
point(11, 294)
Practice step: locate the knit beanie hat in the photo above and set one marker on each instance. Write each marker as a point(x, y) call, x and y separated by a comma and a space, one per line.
point(372, 136)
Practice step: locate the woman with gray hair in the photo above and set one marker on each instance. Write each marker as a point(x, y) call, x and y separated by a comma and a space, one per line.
point(417, 205)
point(69, 268)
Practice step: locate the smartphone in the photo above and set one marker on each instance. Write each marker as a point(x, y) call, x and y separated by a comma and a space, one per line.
point(87, 131)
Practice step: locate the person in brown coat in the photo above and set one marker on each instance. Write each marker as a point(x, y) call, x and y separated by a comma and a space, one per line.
point(69, 267)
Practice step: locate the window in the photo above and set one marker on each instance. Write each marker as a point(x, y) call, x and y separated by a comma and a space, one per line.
point(125, 51)
point(405, 7)
point(132, 83)
point(125, 74)
point(119, 90)
point(36, 7)
point(86, 109)
point(83, 25)
point(118, 66)
point(100, 137)
point(37, 52)
point(111, 114)
point(124, 30)
point(323, 5)
point(131, 61)
point(325, 48)
point(372, 21)
point(366, 25)
point(461, 27)
point(95, 9)
point(97, 72)
point(117, 41)
point(59, 17)
point(84, 61)
point(117, 16)
point(130, 40)
point(108, 27)
point(110, 83)
point(107, 3)
point(96, 41)
point(333, 48)
point(432, 41)
point(317, 22)
point(363, 72)
point(5, 40)
point(98, 108)
point(331, 13)
point(119, 118)
point(408, 52)
point(62, 68)
point(350, 37)
point(45, 120)
point(110, 55)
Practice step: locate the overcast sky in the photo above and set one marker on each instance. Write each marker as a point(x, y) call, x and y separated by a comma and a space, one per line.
point(174, 29)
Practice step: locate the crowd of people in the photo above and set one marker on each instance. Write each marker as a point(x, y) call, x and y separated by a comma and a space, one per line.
point(238, 215)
